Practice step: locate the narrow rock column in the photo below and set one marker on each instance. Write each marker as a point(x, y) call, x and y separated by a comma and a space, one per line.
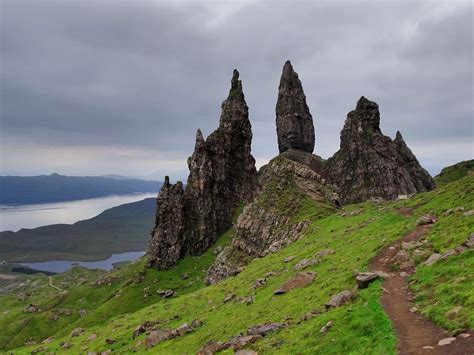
point(294, 121)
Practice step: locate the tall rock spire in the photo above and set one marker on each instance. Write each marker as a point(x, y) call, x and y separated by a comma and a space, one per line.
point(294, 121)
point(222, 175)
point(369, 164)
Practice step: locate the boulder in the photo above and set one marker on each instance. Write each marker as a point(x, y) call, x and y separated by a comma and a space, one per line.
point(265, 328)
point(76, 332)
point(425, 219)
point(339, 299)
point(432, 259)
point(159, 335)
point(303, 264)
point(301, 279)
point(326, 327)
point(446, 341)
point(363, 279)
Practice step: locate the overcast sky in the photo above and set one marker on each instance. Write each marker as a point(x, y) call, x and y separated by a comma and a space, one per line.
point(98, 87)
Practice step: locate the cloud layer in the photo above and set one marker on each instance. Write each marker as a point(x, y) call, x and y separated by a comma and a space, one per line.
point(95, 87)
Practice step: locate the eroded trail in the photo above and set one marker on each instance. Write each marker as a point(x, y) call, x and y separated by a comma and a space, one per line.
point(415, 333)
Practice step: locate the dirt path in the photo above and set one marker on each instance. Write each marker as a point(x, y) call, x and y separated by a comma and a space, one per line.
point(50, 282)
point(416, 334)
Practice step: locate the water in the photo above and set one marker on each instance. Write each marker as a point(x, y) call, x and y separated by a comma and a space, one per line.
point(64, 265)
point(31, 216)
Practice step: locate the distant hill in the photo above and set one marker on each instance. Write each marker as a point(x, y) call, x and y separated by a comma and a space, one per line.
point(119, 229)
point(58, 188)
point(454, 172)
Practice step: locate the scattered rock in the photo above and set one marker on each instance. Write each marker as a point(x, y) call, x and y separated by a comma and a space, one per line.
point(339, 299)
point(82, 312)
point(303, 264)
point(229, 297)
point(31, 308)
point(453, 312)
point(469, 243)
point(76, 332)
point(212, 347)
point(310, 315)
point(109, 341)
point(289, 258)
point(301, 279)
point(196, 323)
point(93, 336)
point(407, 264)
point(246, 352)
point(159, 335)
point(328, 326)
point(464, 335)
point(65, 345)
point(413, 310)
point(324, 252)
point(165, 293)
point(401, 257)
point(47, 340)
point(449, 253)
point(65, 312)
point(408, 245)
point(265, 328)
point(426, 219)
point(432, 259)
point(363, 279)
point(184, 329)
point(248, 300)
point(446, 341)
point(259, 283)
point(468, 213)
point(403, 274)
point(185, 275)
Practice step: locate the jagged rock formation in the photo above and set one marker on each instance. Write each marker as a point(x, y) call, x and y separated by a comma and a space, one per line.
point(222, 176)
point(369, 164)
point(272, 220)
point(294, 121)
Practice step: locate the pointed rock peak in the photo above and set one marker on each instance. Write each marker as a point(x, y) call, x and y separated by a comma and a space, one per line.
point(235, 86)
point(199, 138)
point(294, 122)
point(398, 137)
point(288, 71)
point(167, 181)
point(364, 104)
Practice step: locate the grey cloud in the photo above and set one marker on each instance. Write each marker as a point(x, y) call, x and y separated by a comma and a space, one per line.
point(142, 76)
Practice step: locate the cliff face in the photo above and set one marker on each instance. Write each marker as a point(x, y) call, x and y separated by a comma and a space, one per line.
point(222, 176)
point(369, 164)
point(288, 184)
point(294, 121)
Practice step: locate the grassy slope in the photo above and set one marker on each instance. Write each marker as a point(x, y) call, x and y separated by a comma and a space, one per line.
point(358, 326)
point(116, 230)
point(454, 172)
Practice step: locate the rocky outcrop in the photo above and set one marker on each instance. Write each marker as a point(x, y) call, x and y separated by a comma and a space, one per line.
point(271, 221)
point(294, 121)
point(371, 165)
point(222, 176)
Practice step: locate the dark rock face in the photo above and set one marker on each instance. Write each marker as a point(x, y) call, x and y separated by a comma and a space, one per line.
point(294, 121)
point(222, 175)
point(369, 164)
point(269, 223)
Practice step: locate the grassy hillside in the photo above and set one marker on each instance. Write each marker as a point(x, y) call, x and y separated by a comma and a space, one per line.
point(116, 230)
point(454, 172)
point(359, 327)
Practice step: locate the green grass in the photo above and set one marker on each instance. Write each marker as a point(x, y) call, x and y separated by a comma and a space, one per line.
point(454, 172)
point(360, 327)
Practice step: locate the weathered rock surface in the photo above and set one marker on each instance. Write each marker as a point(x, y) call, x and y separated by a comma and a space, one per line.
point(222, 175)
point(371, 165)
point(301, 279)
point(339, 299)
point(294, 121)
point(364, 279)
point(268, 224)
